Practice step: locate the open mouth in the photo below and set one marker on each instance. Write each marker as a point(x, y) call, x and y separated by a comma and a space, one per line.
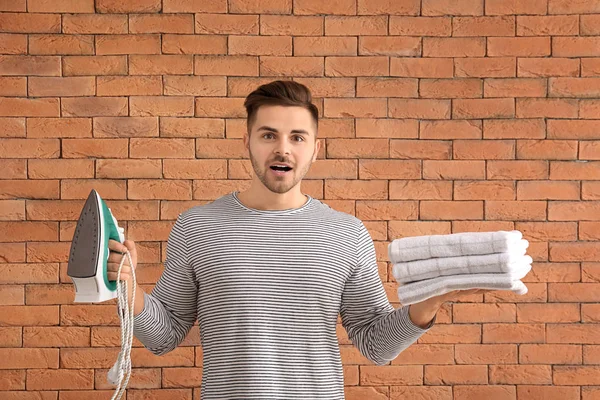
point(281, 168)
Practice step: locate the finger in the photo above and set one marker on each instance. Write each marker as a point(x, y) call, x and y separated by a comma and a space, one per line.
point(116, 246)
point(130, 245)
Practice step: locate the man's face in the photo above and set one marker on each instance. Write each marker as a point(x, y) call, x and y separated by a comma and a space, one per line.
point(282, 146)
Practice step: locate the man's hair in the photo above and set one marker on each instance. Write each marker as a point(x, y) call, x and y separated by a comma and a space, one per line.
point(279, 93)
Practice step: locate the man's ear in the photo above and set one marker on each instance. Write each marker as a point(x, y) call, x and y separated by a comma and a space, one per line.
point(317, 149)
point(247, 140)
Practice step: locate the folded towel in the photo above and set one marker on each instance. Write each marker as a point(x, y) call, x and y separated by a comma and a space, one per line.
point(452, 245)
point(418, 291)
point(497, 263)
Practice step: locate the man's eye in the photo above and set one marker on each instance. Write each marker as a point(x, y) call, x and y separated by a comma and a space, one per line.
point(300, 137)
point(267, 135)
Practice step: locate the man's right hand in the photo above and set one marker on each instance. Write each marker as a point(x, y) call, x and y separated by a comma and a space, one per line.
point(117, 252)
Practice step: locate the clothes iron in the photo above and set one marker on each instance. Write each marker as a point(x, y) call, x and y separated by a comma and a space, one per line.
point(88, 270)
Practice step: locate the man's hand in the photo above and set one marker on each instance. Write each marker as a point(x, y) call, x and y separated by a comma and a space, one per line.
point(421, 314)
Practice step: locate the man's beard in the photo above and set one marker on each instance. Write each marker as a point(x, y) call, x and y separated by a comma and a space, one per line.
point(279, 186)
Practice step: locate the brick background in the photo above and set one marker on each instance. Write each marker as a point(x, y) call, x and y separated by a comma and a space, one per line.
point(439, 116)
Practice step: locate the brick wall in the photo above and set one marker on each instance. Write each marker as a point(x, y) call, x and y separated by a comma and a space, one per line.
point(439, 116)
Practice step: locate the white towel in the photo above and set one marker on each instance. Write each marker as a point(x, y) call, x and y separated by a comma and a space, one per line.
point(452, 245)
point(497, 263)
point(418, 291)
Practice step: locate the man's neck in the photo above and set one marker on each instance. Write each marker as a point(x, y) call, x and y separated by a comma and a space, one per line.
point(267, 200)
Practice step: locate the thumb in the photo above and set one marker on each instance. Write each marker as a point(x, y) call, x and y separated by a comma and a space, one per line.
point(130, 244)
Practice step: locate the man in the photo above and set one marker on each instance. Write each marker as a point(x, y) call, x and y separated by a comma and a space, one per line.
point(266, 272)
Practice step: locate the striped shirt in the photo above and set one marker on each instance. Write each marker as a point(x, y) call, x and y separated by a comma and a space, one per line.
point(266, 288)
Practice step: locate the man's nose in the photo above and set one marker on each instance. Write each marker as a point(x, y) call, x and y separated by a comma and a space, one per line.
point(282, 146)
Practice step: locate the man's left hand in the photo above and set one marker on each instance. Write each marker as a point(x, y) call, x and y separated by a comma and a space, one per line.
point(421, 314)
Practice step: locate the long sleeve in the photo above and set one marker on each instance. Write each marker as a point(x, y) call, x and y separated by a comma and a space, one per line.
point(379, 331)
point(171, 309)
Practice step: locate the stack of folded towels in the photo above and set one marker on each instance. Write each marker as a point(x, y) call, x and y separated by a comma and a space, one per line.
point(428, 266)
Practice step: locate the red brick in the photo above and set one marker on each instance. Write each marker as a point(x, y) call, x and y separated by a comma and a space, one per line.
point(357, 108)
point(580, 375)
point(450, 88)
point(576, 46)
point(459, 7)
point(94, 106)
point(38, 189)
point(61, 44)
point(517, 169)
point(386, 210)
point(419, 108)
point(484, 190)
point(13, 43)
point(452, 129)
point(547, 67)
point(359, 25)
point(417, 393)
point(483, 150)
point(12, 210)
point(192, 6)
point(391, 46)
point(291, 25)
point(307, 7)
point(589, 24)
point(521, 374)
point(547, 149)
point(503, 7)
point(394, 375)
point(589, 109)
point(192, 127)
point(573, 292)
point(13, 5)
point(451, 210)
point(483, 108)
point(117, 6)
point(389, 169)
point(325, 46)
point(570, 7)
point(356, 189)
point(372, 7)
point(515, 87)
point(422, 67)
point(573, 129)
point(353, 66)
point(545, 313)
point(159, 189)
point(579, 251)
point(61, 87)
point(518, 46)
point(128, 44)
point(194, 44)
point(225, 24)
point(575, 170)
point(386, 87)
point(483, 26)
point(145, 106)
point(160, 64)
point(260, 45)
point(260, 7)
point(30, 148)
point(513, 333)
point(129, 85)
point(494, 312)
point(455, 374)
point(484, 353)
point(590, 191)
point(59, 127)
point(292, 66)
point(161, 23)
point(484, 67)
point(94, 65)
point(551, 25)
point(418, 149)
point(357, 148)
point(550, 108)
point(514, 129)
point(388, 128)
point(420, 26)
point(453, 47)
point(574, 87)
point(220, 148)
point(94, 24)
point(453, 169)
point(30, 22)
point(548, 231)
point(102, 148)
point(515, 210)
point(548, 392)
point(420, 190)
point(488, 392)
point(60, 169)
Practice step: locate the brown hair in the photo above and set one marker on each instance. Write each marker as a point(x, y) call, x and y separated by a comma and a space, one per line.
point(280, 93)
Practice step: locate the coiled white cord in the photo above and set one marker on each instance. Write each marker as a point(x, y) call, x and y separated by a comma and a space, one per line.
point(122, 368)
